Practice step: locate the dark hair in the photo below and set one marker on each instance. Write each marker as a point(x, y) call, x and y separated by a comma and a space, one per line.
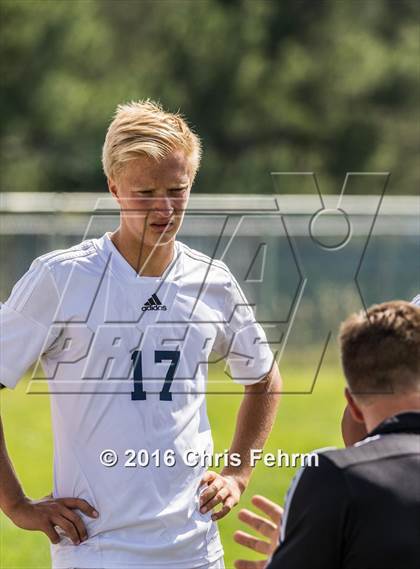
point(380, 349)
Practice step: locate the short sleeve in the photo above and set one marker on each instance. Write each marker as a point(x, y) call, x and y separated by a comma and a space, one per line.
point(241, 340)
point(26, 319)
point(416, 300)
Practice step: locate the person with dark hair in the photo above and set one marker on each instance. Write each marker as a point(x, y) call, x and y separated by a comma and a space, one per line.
point(354, 431)
point(359, 509)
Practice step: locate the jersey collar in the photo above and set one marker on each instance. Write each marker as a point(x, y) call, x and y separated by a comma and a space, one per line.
point(121, 268)
point(408, 422)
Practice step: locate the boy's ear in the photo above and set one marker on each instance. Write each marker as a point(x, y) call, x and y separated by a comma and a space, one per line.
point(112, 187)
point(353, 428)
point(355, 411)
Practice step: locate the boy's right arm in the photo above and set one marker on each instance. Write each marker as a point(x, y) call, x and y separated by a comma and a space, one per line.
point(40, 515)
point(26, 320)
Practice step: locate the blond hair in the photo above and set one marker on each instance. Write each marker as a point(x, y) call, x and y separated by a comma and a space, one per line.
point(143, 128)
point(380, 349)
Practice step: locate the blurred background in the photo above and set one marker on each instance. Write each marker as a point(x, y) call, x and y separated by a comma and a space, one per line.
point(277, 90)
point(329, 86)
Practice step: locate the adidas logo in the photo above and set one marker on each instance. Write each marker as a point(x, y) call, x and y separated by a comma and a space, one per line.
point(153, 304)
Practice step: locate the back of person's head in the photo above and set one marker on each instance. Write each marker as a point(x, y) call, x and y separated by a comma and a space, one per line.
point(380, 350)
point(144, 128)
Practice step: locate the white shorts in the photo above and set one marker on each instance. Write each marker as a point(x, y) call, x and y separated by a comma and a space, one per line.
point(219, 564)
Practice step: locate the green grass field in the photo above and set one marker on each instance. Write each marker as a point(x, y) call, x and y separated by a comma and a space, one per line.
point(304, 422)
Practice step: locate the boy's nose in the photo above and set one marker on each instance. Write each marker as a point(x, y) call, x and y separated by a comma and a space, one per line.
point(163, 206)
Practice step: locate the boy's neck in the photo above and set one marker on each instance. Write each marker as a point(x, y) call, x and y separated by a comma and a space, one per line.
point(147, 261)
point(387, 406)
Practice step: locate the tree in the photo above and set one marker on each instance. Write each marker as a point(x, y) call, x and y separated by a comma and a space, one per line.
point(270, 86)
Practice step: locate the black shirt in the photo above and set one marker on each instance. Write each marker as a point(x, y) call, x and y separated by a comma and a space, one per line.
point(360, 507)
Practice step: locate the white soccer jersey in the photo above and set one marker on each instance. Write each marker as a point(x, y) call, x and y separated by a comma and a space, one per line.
point(126, 362)
point(416, 300)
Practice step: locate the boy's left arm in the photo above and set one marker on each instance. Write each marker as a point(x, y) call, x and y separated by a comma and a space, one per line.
point(253, 425)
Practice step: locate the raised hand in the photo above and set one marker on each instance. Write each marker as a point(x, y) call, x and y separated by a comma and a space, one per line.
point(268, 528)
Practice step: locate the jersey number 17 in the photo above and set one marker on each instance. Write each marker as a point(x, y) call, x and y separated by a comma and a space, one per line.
point(160, 356)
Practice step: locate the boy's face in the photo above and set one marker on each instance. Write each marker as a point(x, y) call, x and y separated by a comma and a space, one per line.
point(153, 196)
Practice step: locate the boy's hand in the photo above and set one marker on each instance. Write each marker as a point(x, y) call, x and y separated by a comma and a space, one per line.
point(225, 490)
point(45, 514)
point(267, 528)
